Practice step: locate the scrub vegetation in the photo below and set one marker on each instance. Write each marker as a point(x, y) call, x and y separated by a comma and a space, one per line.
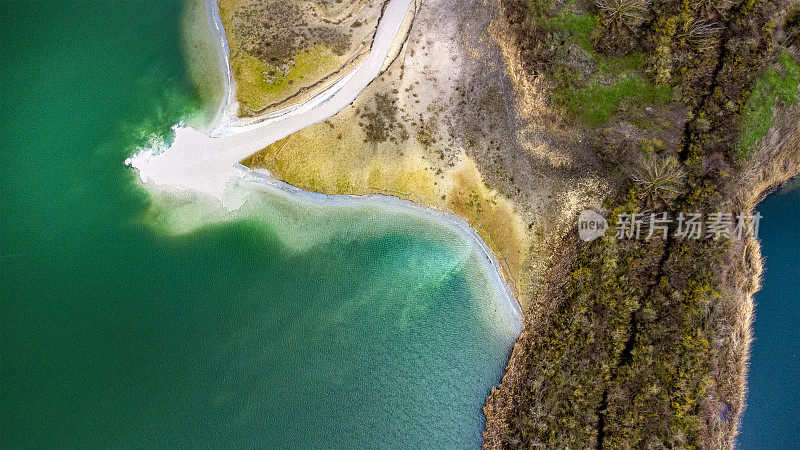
point(644, 343)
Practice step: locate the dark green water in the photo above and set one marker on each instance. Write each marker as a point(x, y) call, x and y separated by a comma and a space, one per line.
point(772, 417)
point(289, 325)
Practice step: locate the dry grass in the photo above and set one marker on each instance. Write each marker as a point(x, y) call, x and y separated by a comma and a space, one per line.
point(530, 98)
point(774, 162)
point(336, 157)
point(493, 217)
point(256, 89)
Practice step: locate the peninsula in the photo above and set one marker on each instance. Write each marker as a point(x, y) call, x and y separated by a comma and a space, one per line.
point(515, 116)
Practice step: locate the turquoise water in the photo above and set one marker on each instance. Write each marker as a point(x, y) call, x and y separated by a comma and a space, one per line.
point(285, 325)
point(772, 417)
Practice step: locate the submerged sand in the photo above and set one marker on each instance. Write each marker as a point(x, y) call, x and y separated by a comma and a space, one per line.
point(198, 164)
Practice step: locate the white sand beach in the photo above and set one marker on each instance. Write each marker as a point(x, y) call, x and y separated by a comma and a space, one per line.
point(206, 162)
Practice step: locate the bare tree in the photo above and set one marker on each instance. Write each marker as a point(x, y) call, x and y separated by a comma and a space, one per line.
point(659, 177)
point(622, 15)
point(700, 34)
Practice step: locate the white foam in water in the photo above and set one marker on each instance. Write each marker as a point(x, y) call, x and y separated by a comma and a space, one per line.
point(205, 184)
point(197, 162)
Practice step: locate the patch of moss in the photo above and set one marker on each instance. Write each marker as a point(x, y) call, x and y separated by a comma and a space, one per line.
point(260, 84)
point(576, 28)
point(617, 66)
point(596, 103)
point(579, 25)
point(757, 114)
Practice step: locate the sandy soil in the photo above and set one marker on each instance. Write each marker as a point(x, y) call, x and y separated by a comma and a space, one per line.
point(441, 127)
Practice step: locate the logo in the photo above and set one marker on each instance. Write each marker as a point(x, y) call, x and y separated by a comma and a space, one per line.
point(591, 225)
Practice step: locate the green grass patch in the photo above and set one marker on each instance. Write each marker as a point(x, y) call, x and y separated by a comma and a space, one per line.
point(255, 91)
point(772, 87)
point(579, 25)
point(619, 65)
point(616, 81)
point(596, 103)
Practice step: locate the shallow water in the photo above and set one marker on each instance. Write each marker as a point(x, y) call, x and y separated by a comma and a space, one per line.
point(772, 417)
point(132, 322)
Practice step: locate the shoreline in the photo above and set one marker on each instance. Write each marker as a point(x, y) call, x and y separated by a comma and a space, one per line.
point(766, 302)
point(198, 162)
point(226, 121)
point(219, 178)
point(438, 216)
point(223, 57)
